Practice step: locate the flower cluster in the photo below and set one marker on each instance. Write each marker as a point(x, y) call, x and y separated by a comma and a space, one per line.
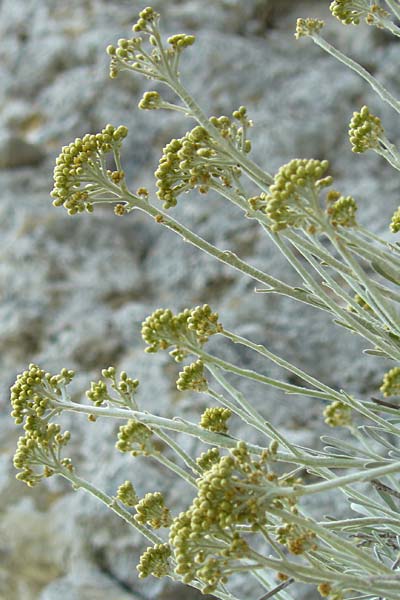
point(33, 391)
point(155, 561)
point(38, 452)
point(215, 419)
point(151, 510)
point(125, 387)
point(209, 458)
point(350, 12)
point(188, 329)
point(198, 159)
point(135, 437)
point(126, 494)
point(156, 64)
point(391, 382)
point(341, 209)
point(192, 378)
point(337, 414)
point(297, 539)
point(80, 175)
point(291, 198)
point(395, 222)
point(308, 27)
point(365, 130)
point(203, 538)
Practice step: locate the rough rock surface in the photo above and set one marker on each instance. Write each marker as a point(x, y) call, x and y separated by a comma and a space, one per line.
point(75, 290)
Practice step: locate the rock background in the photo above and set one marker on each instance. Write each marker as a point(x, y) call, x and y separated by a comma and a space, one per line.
point(75, 290)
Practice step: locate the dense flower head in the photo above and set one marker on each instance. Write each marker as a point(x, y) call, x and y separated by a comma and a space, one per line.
point(307, 27)
point(126, 494)
point(33, 391)
point(155, 561)
point(192, 378)
point(395, 222)
point(350, 12)
point(215, 419)
point(151, 510)
point(341, 210)
point(80, 175)
point(365, 130)
point(290, 198)
point(190, 328)
point(135, 437)
point(391, 382)
point(337, 414)
point(227, 497)
point(197, 159)
point(208, 458)
point(297, 539)
point(38, 451)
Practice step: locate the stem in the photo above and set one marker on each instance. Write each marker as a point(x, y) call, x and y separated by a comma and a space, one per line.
point(111, 503)
point(354, 66)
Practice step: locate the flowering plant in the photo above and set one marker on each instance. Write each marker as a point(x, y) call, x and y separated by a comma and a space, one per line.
point(246, 514)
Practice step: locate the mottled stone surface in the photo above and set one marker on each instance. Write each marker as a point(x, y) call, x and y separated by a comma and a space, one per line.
point(75, 290)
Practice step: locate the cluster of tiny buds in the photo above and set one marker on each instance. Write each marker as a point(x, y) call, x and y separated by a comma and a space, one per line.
point(308, 27)
point(338, 414)
point(150, 101)
point(395, 222)
point(215, 419)
point(326, 591)
point(155, 561)
point(126, 494)
point(192, 378)
point(341, 210)
point(221, 504)
point(350, 12)
point(391, 383)
point(191, 327)
point(79, 164)
point(197, 159)
point(209, 458)
point(296, 539)
point(126, 388)
point(135, 437)
point(293, 185)
point(129, 53)
point(32, 392)
point(151, 510)
point(365, 130)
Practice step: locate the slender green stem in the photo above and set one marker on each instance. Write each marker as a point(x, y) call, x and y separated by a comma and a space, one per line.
point(354, 66)
point(288, 388)
point(111, 503)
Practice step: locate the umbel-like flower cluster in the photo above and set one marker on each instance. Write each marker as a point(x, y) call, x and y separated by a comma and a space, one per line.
point(204, 539)
point(156, 64)
point(192, 378)
point(365, 130)
point(188, 330)
point(350, 12)
point(155, 561)
point(215, 419)
point(337, 414)
point(391, 382)
point(395, 222)
point(295, 187)
point(38, 452)
point(135, 437)
point(308, 27)
point(80, 174)
point(293, 198)
point(198, 160)
point(125, 387)
point(151, 510)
